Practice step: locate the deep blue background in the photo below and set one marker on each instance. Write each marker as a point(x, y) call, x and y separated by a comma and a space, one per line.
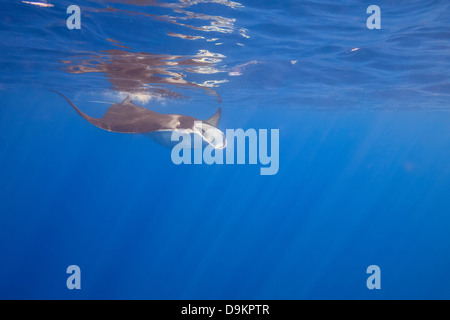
point(364, 159)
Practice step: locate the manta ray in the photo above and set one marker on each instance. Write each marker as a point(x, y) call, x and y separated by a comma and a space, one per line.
point(126, 117)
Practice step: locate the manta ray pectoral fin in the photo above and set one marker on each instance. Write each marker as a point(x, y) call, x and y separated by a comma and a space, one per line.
point(214, 120)
point(81, 113)
point(126, 117)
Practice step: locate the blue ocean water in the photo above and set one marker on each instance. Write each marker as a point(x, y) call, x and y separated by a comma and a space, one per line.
point(364, 150)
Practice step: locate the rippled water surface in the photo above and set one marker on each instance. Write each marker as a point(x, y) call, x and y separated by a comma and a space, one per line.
point(364, 170)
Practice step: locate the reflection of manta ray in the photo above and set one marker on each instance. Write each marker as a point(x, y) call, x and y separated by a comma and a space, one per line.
point(126, 117)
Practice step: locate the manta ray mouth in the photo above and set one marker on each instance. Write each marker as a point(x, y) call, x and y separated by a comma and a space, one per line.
point(213, 136)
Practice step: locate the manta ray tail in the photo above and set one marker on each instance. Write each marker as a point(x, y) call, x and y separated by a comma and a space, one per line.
point(214, 120)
